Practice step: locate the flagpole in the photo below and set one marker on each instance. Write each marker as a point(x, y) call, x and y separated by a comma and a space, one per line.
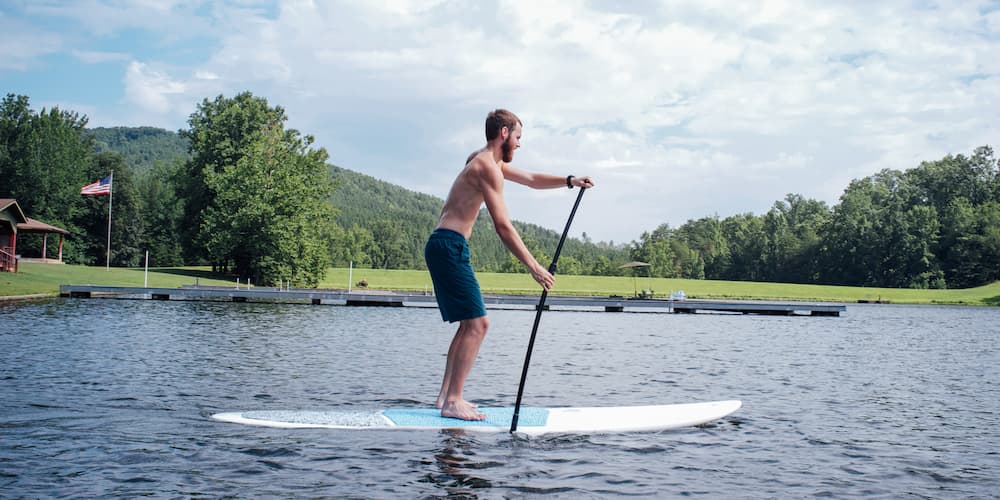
point(111, 196)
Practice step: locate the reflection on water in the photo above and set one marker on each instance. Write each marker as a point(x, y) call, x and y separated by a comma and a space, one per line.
point(113, 397)
point(456, 465)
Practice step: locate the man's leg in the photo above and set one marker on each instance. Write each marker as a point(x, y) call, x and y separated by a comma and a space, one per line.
point(461, 355)
point(452, 350)
point(449, 365)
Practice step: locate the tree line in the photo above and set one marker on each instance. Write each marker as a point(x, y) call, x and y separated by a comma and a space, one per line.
point(936, 225)
point(240, 191)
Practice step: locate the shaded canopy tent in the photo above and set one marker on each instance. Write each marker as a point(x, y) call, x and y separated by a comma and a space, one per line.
point(633, 265)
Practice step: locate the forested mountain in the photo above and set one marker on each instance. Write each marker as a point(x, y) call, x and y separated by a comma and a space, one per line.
point(380, 224)
point(400, 221)
point(142, 147)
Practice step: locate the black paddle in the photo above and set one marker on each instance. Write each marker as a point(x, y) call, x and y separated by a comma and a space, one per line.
point(538, 313)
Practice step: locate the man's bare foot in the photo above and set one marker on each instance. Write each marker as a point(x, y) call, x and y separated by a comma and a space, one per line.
point(461, 410)
point(440, 403)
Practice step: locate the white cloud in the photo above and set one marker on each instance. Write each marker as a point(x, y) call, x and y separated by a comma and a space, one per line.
point(21, 47)
point(703, 102)
point(101, 18)
point(680, 109)
point(149, 89)
point(205, 75)
point(96, 57)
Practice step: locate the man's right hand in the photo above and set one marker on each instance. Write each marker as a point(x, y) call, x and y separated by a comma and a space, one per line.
point(543, 277)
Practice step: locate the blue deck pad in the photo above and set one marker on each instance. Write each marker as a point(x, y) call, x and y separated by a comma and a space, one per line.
point(431, 417)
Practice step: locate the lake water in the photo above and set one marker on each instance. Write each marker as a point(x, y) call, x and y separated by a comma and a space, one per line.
point(113, 397)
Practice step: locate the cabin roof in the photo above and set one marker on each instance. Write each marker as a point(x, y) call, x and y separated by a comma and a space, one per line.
point(10, 204)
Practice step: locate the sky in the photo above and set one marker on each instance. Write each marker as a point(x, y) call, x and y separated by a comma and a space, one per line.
point(678, 109)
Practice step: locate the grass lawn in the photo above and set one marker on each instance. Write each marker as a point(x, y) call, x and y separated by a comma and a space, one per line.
point(46, 278)
point(34, 279)
point(694, 289)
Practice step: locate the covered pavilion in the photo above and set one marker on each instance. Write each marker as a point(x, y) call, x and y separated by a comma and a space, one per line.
point(14, 222)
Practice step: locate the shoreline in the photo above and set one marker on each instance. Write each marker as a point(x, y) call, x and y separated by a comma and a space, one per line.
point(26, 298)
point(488, 292)
point(39, 281)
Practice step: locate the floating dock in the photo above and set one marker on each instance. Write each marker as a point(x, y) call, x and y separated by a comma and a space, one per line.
point(416, 299)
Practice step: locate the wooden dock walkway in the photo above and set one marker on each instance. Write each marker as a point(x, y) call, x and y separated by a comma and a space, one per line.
point(416, 299)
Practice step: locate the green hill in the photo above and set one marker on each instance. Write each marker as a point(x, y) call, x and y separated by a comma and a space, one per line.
point(397, 219)
point(142, 147)
point(364, 201)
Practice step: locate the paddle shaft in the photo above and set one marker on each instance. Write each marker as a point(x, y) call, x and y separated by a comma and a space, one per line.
point(538, 313)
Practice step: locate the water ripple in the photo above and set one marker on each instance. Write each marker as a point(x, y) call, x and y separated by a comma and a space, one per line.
point(112, 398)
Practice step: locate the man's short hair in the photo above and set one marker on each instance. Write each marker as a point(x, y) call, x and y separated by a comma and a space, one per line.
point(497, 120)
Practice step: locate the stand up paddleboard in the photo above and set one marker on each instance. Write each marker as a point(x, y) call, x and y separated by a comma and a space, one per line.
point(531, 421)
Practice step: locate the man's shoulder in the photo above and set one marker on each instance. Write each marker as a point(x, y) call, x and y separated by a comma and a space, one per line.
point(480, 156)
point(472, 156)
point(482, 161)
point(485, 169)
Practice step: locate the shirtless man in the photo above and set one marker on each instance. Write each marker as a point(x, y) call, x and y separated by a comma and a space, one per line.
point(447, 250)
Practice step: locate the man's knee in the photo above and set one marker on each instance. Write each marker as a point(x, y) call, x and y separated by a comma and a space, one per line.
point(477, 326)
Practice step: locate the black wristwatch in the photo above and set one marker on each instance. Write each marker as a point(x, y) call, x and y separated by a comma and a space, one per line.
point(569, 181)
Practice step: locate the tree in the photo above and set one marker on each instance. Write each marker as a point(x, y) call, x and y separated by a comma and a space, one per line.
point(352, 246)
point(880, 235)
point(604, 267)
point(512, 265)
point(747, 242)
point(687, 261)
point(974, 256)
point(705, 237)
point(806, 218)
point(390, 249)
point(15, 121)
point(851, 238)
point(162, 212)
point(569, 265)
point(39, 151)
point(793, 243)
point(271, 213)
point(221, 132)
point(44, 159)
point(656, 250)
point(959, 188)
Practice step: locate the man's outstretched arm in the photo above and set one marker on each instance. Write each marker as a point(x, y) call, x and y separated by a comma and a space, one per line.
point(538, 180)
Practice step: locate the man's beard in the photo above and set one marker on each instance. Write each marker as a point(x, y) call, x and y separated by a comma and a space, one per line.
point(508, 152)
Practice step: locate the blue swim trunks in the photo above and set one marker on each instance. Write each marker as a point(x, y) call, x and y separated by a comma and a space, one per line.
point(455, 284)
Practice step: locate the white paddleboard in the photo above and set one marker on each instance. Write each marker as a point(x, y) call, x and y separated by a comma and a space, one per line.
point(531, 420)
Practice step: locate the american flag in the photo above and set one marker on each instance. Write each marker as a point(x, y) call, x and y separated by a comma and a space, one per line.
point(100, 187)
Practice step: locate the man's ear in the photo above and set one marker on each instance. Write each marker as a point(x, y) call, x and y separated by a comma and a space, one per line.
point(504, 133)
